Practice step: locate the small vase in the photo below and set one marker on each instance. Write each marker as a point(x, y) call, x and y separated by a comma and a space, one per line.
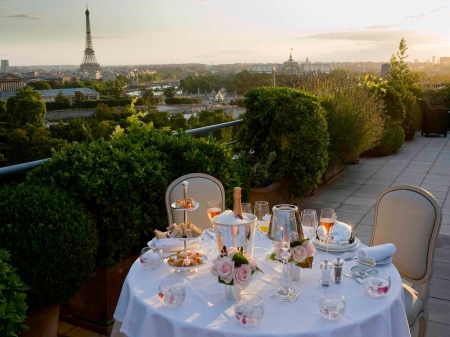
point(294, 271)
point(232, 293)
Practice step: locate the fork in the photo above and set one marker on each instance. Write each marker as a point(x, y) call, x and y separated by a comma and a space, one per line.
point(357, 279)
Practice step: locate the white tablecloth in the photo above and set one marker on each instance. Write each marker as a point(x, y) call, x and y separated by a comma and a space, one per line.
point(206, 312)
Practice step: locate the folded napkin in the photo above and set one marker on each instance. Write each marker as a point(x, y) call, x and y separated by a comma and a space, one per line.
point(378, 252)
point(173, 245)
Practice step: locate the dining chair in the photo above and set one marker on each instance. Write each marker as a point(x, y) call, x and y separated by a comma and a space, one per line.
point(410, 217)
point(202, 188)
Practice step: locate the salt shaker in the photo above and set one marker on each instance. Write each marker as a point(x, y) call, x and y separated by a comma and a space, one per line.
point(326, 268)
point(338, 264)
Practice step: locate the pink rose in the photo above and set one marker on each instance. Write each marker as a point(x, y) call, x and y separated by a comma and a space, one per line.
point(214, 267)
point(232, 251)
point(225, 269)
point(251, 261)
point(278, 250)
point(299, 254)
point(243, 276)
point(310, 249)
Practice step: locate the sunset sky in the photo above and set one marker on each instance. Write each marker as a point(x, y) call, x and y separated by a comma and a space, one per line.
point(52, 32)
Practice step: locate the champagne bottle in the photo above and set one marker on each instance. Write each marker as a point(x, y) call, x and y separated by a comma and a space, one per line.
point(237, 206)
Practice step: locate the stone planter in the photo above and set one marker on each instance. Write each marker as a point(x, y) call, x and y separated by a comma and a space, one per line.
point(43, 322)
point(333, 172)
point(275, 194)
point(93, 308)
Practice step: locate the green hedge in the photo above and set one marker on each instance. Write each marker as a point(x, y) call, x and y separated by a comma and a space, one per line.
point(292, 124)
point(51, 241)
point(392, 141)
point(122, 182)
point(182, 100)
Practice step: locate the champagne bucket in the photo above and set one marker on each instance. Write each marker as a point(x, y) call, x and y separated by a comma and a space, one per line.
point(241, 234)
point(288, 217)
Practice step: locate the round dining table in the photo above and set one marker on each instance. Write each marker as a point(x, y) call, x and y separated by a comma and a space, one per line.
point(206, 313)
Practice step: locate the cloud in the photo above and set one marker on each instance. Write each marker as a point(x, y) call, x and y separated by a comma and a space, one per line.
point(377, 36)
point(383, 26)
point(236, 52)
point(416, 17)
point(107, 37)
point(22, 17)
point(439, 9)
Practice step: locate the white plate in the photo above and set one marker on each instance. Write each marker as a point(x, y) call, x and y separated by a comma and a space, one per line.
point(185, 269)
point(384, 261)
point(336, 248)
point(186, 209)
point(355, 270)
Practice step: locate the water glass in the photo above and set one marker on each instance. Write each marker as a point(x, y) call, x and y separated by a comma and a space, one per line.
point(332, 305)
point(151, 258)
point(309, 222)
point(377, 282)
point(246, 207)
point(172, 292)
point(249, 309)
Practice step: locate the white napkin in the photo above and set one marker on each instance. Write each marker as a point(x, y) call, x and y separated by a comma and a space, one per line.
point(379, 252)
point(173, 245)
point(341, 232)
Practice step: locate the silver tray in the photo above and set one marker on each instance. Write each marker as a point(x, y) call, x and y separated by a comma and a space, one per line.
point(185, 269)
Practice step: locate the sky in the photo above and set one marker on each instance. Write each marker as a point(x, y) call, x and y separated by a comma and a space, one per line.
point(52, 32)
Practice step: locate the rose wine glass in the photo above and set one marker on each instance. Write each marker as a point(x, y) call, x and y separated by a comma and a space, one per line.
point(214, 207)
point(327, 221)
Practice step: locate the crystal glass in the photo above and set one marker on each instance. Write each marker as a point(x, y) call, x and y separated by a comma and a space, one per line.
point(332, 305)
point(377, 282)
point(327, 221)
point(151, 258)
point(172, 292)
point(246, 207)
point(262, 212)
point(309, 222)
point(213, 207)
point(249, 309)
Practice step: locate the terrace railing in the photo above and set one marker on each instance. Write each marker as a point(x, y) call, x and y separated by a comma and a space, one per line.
point(26, 167)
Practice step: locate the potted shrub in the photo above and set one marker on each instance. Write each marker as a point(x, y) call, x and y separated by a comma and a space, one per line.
point(52, 244)
point(391, 141)
point(122, 183)
point(12, 299)
point(292, 124)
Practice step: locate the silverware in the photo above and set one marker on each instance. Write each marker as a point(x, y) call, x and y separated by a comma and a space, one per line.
point(357, 279)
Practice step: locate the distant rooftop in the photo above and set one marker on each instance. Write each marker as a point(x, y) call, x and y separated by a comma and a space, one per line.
point(53, 92)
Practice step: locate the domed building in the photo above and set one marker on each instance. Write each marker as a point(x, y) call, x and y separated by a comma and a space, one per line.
point(291, 67)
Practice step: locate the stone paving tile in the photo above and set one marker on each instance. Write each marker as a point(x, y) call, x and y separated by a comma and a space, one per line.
point(436, 329)
point(417, 168)
point(366, 194)
point(437, 195)
point(371, 188)
point(413, 175)
point(372, 211)
point(367, 220)
point(363, 230)
point(364, 239)
point(438, 176)
point(331, 198)
point(353, 209)
point(360, 201)
point(79, 332)
point(346, 186)
point(440, 288)
point(390, 172)
point(322, 204)
point(350, 218)
point(442, 255)
point(353, 180)
point(409, 180)
point(441, 270)
point(359, 175)
point(442, 182)
point(443, 241)
point(438, 310)
point(434, 188)
point(339, 191)
point(446, 210)
point(64, 328)
point(384, 176)
point(444, 230)
point(377, 182)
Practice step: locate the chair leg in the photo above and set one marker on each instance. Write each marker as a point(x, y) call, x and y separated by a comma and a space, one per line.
point(423, 325)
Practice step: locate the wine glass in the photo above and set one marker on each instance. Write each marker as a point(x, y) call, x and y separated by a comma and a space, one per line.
point(246, 207)
point(262, 212)
point(309, 222)
point(283, 221)
point(213, 208)
point(327, 220)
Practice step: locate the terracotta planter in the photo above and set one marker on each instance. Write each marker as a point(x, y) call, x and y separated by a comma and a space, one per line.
point(93, 308)
point(333, 172)
point(275, 194)
point(43, 322)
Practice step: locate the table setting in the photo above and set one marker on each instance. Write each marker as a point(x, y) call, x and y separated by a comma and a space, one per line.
point(290, 286)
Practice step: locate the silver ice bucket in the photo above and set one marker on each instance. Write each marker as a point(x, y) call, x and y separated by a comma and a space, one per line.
point(236, 235)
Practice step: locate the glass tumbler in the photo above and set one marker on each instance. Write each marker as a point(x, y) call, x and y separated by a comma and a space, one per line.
point(151, 258)
point(377, 282)
point(249, 309)
point(172, 292)
point(332, 305)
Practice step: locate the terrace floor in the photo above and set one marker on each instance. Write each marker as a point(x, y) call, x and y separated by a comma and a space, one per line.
point(422, 162)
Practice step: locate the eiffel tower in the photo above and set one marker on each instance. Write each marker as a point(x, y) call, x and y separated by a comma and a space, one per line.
point(89, 59)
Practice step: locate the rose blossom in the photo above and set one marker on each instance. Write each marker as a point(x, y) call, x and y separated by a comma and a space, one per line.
point(225, 269)
point(214, 267)
point(232, 251)
point(251, 261)
point(310, 250)
point(299, 254)
point(243, 276)
point(278, 250)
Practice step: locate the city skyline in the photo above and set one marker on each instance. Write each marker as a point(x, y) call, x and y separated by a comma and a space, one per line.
point(52, 32)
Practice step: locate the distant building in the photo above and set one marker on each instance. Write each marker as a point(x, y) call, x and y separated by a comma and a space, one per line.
point(291, 67)
point(4, 64)
point(385, 70)
point(444, 60)
point(10, 82)
point(49, 95)
point(107, 76)
point(416, 60)
point(433, 59)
